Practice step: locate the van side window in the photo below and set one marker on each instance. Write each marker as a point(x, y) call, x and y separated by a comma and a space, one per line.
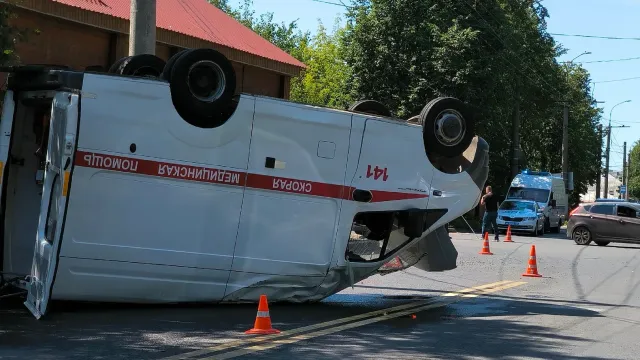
point(602, 209)
point(626, 211)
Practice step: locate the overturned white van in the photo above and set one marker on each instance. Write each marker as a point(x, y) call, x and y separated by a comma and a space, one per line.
point(125, 188)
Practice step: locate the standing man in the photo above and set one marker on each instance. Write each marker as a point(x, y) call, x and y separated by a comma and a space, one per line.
point(490, 203)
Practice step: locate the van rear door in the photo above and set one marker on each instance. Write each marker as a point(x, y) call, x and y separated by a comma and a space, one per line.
point(60, 149)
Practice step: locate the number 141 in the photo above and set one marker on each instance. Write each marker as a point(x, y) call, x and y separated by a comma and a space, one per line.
point(377, 173)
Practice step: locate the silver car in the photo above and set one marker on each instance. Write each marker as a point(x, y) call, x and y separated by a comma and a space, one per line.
point(522, 216)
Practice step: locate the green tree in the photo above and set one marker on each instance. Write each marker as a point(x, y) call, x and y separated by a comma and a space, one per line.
point(325, 79)
point(634, 172)
point(222, 5)
point(9, 35)
point(490, 54)
point(287, 37)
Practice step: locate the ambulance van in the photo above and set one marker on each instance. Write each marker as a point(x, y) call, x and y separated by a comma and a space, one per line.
point(157, 183)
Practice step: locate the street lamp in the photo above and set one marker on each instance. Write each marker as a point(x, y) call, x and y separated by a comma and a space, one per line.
point(584, 53)
point(606, 176)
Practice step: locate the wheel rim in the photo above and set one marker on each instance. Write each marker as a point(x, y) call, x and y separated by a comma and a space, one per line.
point(449, 128)
point(206, 81)
point(581, 236)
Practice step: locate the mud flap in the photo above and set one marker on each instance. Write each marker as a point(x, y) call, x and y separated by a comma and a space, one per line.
point(434, 252)
point(440, 254)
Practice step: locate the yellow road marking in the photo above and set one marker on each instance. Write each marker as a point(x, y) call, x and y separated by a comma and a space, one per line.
point(242, 342)
point(307, 336)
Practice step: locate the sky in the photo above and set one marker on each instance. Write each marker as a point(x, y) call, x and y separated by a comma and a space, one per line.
point(612, 18)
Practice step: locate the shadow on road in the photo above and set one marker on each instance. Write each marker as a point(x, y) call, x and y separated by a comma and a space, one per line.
point(475, 327)
point(478, 329)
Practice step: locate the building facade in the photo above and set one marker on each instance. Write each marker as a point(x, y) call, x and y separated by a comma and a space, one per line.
point(83, 33)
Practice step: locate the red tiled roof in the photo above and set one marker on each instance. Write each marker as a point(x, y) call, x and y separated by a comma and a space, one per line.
point(196, 18)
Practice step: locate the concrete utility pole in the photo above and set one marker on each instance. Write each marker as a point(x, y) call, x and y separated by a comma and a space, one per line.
point(624, 167)
point(626, 194)
point(606, 175)
point(598, 194)
point(565, 146)
point(142, 27)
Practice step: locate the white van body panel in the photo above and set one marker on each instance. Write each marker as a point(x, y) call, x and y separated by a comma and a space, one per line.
point(157, 215)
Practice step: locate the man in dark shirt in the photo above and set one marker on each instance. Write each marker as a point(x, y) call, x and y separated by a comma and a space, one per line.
point(490, 203)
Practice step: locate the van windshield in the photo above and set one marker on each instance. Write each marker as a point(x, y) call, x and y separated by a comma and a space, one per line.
point(517, 206)
point(537, 195)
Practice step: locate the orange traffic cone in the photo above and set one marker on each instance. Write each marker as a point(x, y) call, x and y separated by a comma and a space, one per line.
point(262, 325)
point(532, 269)
point(508, 238)
point(485, 245)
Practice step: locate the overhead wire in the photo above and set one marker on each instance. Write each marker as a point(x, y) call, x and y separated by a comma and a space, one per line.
point(597, 36)
point(331, 3)
point(610, 60)
point(617, 80)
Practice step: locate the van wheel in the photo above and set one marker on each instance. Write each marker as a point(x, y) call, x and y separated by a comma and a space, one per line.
point(448, 126)
point(370, 107)
point(168, 67)
point(144, 65)
point(116, 65)
point(203, 83)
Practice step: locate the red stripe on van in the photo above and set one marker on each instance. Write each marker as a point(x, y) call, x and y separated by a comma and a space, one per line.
point(295, 186)
point(230, 177)
point(162, 169)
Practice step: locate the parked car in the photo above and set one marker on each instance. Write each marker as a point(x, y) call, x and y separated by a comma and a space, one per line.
point(521, 215)
point(605, 222)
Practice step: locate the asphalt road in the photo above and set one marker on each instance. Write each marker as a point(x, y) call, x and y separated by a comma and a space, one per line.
point(586, 306)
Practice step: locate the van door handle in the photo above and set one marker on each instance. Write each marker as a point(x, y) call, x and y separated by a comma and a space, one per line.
point(362, 195)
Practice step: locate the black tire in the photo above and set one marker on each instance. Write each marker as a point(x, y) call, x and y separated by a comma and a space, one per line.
point(208, 106)
point(114, 68)
point(581, 235)
point(144, 65)
point(602, 243)
point(451, 138)
point(168, 67)
point(370, 107)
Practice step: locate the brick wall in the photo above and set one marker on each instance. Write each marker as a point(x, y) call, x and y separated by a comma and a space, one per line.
point(68, 43)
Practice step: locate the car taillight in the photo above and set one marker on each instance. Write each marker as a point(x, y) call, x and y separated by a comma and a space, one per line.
point(574, 211)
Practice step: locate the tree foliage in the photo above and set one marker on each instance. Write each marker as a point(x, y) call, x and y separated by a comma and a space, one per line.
point(326, 77)
point(492, 54)
point(634, 172)
point(9, 35)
